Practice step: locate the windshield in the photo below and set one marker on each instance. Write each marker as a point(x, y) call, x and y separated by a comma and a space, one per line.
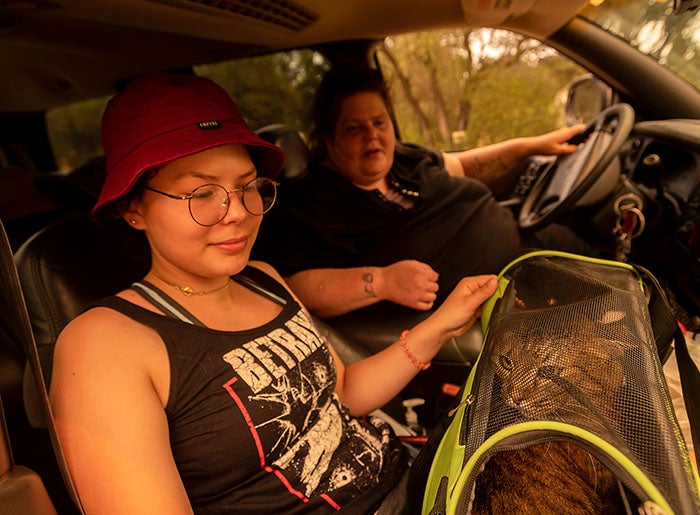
point(652, 27)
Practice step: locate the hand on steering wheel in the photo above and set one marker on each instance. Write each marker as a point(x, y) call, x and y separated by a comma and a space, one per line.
point(564, 183)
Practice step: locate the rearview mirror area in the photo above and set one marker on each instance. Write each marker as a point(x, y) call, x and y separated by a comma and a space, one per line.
point(587, 97)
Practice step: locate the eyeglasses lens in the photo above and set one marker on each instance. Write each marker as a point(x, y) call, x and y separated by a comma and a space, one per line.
point(264, 195)
point(210, 203)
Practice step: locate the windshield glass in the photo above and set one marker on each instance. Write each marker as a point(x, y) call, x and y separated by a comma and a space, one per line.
point(652, 27)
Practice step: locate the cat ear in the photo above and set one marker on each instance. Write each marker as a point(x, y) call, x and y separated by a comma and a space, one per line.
point(612, 316)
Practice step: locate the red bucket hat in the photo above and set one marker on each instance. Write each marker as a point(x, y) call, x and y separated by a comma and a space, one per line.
point(161, 117)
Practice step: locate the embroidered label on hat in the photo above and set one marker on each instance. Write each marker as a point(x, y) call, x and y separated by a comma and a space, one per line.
point(211, 124)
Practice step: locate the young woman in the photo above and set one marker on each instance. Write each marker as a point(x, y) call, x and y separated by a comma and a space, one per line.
point(205, 387)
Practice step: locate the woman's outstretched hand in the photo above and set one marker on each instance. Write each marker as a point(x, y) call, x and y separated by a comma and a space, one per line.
point(463, 306)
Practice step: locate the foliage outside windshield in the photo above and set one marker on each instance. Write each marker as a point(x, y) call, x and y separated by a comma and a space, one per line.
point(452, 89)
point(652, 27)
point(464, 88)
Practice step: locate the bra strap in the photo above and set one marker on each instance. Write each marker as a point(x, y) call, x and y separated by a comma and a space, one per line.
point(164, 302)
point(252, 284)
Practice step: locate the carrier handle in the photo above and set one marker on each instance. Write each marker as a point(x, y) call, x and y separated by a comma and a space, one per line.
point(666, 328)
point(690, 384)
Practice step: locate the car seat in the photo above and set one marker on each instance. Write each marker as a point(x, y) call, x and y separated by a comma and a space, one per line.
point(16, 321)
point(21, 489)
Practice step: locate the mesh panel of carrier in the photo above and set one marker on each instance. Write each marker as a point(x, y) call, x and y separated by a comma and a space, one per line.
point(572, 343)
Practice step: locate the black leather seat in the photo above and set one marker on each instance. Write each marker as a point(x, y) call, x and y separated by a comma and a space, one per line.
point(21, 488)
point(65, 267)
point(15, 321)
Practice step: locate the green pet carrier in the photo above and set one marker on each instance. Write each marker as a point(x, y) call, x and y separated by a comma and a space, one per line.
point(572, 361)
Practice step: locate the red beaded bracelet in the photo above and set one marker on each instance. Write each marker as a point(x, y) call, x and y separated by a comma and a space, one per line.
point(404, 345)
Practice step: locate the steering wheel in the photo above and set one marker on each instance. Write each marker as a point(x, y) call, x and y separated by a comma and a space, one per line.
point(557, 190)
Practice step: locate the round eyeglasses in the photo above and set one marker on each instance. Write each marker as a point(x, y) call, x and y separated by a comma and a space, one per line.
point(209, 203)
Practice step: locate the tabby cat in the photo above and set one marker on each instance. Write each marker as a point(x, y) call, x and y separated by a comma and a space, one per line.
point(575, 379)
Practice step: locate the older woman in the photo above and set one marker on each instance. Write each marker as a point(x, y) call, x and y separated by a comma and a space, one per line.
point(377, 220)
point(205, 387)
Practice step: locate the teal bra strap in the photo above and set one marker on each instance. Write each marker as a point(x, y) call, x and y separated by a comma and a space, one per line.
point(171, 308)
point(164, 302)
point(253, 285)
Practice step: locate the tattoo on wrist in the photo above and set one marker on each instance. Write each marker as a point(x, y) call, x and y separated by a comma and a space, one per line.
point(368, 279)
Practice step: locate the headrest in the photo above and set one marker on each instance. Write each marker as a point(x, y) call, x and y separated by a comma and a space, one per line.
point(72, 263)
point(295, 149)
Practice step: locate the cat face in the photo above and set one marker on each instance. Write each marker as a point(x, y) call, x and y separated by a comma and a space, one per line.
point(550, 377)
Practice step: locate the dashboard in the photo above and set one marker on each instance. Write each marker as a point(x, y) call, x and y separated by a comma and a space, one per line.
point(659, 166)
point(663, 163)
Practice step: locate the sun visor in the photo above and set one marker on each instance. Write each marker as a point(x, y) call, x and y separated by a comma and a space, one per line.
point(538, 18)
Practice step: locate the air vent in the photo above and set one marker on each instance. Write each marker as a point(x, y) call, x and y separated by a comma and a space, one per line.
point(28, 5)
point(282, 13)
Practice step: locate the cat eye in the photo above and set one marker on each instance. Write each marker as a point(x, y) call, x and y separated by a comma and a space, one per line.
point(505, 362)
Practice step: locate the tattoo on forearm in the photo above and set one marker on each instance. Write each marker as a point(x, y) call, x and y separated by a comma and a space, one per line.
point(489, 169)
point(368, 279)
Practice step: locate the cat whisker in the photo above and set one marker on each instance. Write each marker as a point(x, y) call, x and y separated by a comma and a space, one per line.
point(594, 468)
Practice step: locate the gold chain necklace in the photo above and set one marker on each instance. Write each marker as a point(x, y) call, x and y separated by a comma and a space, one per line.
point(188, 291)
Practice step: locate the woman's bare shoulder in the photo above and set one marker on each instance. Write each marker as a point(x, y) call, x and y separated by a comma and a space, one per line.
point(106, 348)
point(104, 331)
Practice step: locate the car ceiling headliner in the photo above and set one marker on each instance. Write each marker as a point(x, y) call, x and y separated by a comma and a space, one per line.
point(58, 51)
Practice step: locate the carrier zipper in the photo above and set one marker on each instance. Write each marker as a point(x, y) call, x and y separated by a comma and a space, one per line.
point(468, 401)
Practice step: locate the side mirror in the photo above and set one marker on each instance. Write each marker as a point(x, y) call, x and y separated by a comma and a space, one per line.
point(587, 98)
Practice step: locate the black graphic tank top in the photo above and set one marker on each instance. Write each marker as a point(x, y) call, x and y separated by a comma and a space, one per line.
point(255, 426)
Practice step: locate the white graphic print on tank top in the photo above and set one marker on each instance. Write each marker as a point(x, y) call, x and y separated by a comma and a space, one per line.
point(294, 416)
